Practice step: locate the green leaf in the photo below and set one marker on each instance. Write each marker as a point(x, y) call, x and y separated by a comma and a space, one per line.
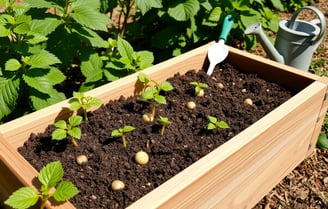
point(40, 83)
point(42, 60)
point(145, 6)
point(184, 10)
point(160, 99)
point(23, 198)
point(212, 119)
point(89, 36)
point(65, 191)
point(145, 59)
point(222, 124)
point(12, 65)
point(166, 86)
point(116, 133)
point(51, 174)
point(4, 32)
point(211, 126)
point(45, 26)
point(61, 124)
point(75, 120)
point(149, 93)
point(75, 104)
point(40, 100)
point(75, 132)
point(59, 134)
point(322, 141)
point(9, 93)
point(128, 129)
point(125, 49)
point(92, 68)
point(277, 4)
point(215, 14)
point(89, 17)
point(143, 78)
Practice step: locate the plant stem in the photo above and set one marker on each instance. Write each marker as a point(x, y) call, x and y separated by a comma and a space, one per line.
point(74, 142)
point(163, 129)
point(153, 110)
point(124, 141)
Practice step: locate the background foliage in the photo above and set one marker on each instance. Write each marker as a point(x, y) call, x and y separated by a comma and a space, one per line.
point(50, 48)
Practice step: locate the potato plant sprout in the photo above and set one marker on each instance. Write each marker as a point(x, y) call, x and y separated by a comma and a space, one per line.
point(165, 122)
point(199, 88)
point(215, 124)
point(121, 133)
point(71, 129)
point(79, 101)
point(152, 93)
point(52, 185)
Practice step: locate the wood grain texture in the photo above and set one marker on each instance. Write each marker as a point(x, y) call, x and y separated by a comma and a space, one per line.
point(235, 175)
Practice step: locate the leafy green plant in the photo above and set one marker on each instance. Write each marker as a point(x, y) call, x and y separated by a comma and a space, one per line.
point(165, 122)
point(80, 101)
point(71, 129)
point(39, 49)
point(121, 133)
point(199, 88)
point(215, 124)
point(52, 185)
point(322, 141)
point(152, 93)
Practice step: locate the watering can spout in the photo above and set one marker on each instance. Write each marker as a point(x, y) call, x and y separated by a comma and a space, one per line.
point(272, 52)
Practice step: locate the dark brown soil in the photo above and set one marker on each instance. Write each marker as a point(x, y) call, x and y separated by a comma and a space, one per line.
point(184, 142)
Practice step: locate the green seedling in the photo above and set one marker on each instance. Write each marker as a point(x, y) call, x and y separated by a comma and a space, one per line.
point(121, 133)
point(199, 88)
point(215, 124)
point(322, 141)
point(52, 185)
point(71, 128)
point(165, 122)
point(79, 101)
point(152, 93)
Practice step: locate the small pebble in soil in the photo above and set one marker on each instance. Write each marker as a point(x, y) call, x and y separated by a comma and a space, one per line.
point(248, 101)
point(244, 90)
point(93, 197)
point(220, 85)
point(191, 105)
point(118, 185)
point(141, 158)
point(81, 159)
point(147, 117)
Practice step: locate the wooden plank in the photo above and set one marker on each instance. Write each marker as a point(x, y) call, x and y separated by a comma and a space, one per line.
point(251, 163)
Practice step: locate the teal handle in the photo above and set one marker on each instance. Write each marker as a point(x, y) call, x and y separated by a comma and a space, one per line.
point(227, 25)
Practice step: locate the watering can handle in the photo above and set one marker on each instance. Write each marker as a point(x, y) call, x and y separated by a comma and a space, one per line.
point(322, 21)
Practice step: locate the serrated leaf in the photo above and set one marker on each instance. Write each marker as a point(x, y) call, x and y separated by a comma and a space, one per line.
point(23, 198)
point(184, 10)
point(145, 59)
point(145, 6)
point(59, 134)
point(166, 86)
point(92, 68)
point(51, 174)
point(75, 132)
point(35, 38)
point(65, 191)
point(42, 60)
point(44, 26)
point(22, 28)
point(9, 93)
point(149, 93)
point(4, 32)
point(143, 78)
point(125, 49)
point(61, 124)
point(89, 17)
point(12, 65)
point(89, 36)
point(160, 99)
point(75, 120)
point(75, 104)
point(40, 83)
point(40, 100)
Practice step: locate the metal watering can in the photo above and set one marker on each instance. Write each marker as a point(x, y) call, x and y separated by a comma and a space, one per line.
point(296, 39)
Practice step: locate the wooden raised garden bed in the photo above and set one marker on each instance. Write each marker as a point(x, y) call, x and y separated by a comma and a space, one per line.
point(235, 175)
